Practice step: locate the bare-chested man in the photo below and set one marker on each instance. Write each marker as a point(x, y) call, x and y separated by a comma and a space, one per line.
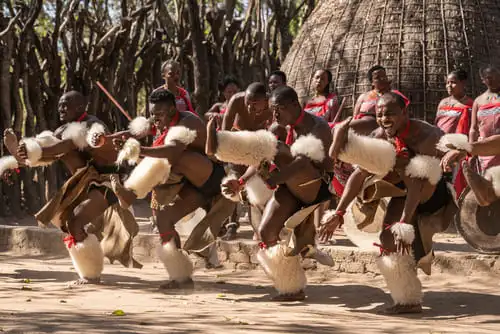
point(86, 196)
point(178, 150)
point(299, 181)
point(248, 110)
point(402, 155)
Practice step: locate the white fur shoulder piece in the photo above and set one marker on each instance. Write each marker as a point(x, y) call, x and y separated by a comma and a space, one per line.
point(181, 134)
point(77, 132)
point(425, 167)
point(454, 141)
point(130, 152)
point(247, 148)
point(309, 146)
point(377, 156)
point(140, 126)
point(96, 128)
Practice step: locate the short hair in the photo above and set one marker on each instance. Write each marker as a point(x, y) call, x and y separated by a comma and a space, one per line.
point(460, 74)
point(171, 63)
point(489, 67)
point(395, 96)
point(280, 74)
point(227, 81)
point(76, 96)
point(285, 95)
point(162, 96)
point(256, 90)
point(374, 69)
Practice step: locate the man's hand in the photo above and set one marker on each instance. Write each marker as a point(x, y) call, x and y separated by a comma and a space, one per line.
point(97, 139)
point(118, 143)
point(451, 158)
point(340, 136)
point(231, 187)
point(22, 152)
point(327, 229)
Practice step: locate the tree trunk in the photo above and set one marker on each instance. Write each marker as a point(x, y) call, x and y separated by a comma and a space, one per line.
point(200, 59)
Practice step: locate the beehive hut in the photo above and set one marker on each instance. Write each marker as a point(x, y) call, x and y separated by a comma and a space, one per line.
point(418, 41)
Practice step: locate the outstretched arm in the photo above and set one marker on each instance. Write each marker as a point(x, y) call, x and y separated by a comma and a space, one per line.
point(353, 187)
point(231, 111)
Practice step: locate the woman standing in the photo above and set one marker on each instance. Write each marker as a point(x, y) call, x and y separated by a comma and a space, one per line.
point(171, 72)
point(453, 116)
point(453, 113)
point(324, 104)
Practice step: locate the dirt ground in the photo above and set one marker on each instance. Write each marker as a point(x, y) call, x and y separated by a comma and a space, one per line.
point(34, 298)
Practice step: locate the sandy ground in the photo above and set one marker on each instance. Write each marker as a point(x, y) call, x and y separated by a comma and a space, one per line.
point(34, 298)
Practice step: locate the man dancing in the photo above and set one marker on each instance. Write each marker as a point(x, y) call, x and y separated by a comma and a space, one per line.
point(179, 152)
point(87, 195)
point(298, 180)
point(403, 161)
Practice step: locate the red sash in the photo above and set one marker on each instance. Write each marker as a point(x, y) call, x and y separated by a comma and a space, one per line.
point(323, 105)
point(291, 129)
point(160, 141)
point(183, 95)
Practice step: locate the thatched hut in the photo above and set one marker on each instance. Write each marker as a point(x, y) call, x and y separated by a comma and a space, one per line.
point(418, 41)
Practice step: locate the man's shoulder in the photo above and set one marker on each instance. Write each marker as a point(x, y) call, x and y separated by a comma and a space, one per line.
point(188, 118)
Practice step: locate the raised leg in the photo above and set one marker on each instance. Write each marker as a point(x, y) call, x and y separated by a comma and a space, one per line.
point(482, 188)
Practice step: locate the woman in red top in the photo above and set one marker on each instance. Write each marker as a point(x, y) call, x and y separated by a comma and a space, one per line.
point(453, 114)
point(366, 103)
point(228, 88)
point(324, 104)
point(171, 71)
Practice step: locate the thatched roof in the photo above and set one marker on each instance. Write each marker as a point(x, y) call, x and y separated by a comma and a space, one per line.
point(418, 41)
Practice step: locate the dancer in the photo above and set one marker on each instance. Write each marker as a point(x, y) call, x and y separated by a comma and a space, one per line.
point(402, 163)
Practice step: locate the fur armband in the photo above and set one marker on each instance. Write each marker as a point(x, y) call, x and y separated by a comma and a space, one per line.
point(140, 126)
point(96, 128)
point(247, 148)
point(454, 141)
point(130, 152)
point(374, 155)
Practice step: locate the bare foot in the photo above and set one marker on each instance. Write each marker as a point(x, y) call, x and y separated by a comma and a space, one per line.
point(188, 284)
point(482, 188)
point(402, 309)
point(125, 197)
point(289, 297)
point(10, 141)
point(85, 281)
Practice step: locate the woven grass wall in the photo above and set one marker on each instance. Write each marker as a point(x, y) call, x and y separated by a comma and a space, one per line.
point(418, 41)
